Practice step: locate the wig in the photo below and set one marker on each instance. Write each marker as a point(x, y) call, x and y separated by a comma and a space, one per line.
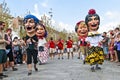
point(45, 35)
point(77, 24)
point(91, 13)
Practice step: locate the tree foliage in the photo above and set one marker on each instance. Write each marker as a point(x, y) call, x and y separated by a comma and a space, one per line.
point(5, 13)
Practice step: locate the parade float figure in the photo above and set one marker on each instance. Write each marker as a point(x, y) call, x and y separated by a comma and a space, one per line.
point(30, 22)
point(82, 32)
point(95, 52)
point(43, 52)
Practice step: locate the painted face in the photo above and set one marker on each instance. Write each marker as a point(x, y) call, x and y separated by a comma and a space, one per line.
point(93, 23)
point(29, 25)
point(82, 29)
point(40, 31)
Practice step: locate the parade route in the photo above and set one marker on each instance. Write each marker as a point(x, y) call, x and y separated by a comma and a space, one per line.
point(72, 69)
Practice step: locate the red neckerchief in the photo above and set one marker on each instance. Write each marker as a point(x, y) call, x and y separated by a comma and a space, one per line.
point(40, 37)
point(82, 37)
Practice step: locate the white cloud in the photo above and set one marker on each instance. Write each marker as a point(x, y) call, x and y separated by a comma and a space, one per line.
point(112, 14)
point(110, 20)
point(61, 26)
point(56, 25)
point(44, 4)
point(108, 26)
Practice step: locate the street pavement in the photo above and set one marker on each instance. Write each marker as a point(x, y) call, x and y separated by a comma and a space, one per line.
point(64, 69)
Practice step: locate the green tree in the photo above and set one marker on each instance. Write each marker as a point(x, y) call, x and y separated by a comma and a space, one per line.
point(5, 13)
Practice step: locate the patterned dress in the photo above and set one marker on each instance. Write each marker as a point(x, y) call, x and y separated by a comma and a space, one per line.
point(43, 52)
point(95, 52)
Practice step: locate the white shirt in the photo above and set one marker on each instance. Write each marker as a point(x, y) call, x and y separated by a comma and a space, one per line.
point(94, 40)
point(41, 42)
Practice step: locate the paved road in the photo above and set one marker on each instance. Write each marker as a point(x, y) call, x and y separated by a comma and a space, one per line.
point(65, 69)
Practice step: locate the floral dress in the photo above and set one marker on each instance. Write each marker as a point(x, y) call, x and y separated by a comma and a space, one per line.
point(95, 52)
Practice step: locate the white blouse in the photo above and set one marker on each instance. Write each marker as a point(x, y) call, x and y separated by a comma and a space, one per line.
point(41, 42)
point(94, 40)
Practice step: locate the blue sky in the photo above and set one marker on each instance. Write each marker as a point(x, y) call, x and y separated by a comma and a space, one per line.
point(66, 13)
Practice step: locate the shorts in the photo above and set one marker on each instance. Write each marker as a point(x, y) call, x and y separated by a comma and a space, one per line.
point(105, 49)
point(60, 51)
point(3, 56)
point(69, 49)
point(52, 50)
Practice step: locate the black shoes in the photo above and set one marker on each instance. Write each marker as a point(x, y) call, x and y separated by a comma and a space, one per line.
point(5, 69)
point(83, 61)
point(14, 69)
point(30, 72)
point(36, 69)
point(98, 68)
point(78, 57)
point(3, 76)
point(93, 69)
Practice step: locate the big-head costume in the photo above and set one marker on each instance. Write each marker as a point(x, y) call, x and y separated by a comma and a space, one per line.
point(43, 52)
point(82, 32)
point(30, 22)
point(95, 53)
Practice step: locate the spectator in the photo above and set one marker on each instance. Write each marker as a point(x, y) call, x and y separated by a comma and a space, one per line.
point(8, 37)
point(3, 55)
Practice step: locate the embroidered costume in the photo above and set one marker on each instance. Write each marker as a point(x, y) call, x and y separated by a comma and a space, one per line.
point(30, 22)
point(82, 32)
point(95, 52)
point(43, 52)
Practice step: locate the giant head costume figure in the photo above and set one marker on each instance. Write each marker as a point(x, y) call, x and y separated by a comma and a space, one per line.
point(92, 20)
point(30, 22)
point(41, 31)
point(81, 29)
